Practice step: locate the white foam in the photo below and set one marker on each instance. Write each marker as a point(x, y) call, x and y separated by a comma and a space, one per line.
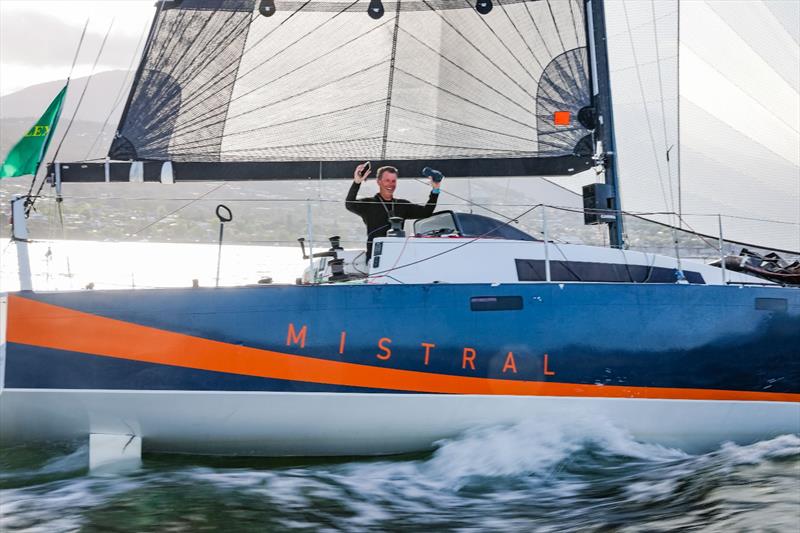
point(779, 447)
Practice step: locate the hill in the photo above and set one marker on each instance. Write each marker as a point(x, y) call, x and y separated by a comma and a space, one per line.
point(19, 110)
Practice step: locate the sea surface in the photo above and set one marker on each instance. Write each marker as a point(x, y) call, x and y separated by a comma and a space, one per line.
point(77, 265)
point(510, 478)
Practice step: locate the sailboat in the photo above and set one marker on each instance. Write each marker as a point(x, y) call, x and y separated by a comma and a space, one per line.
point(456, 321)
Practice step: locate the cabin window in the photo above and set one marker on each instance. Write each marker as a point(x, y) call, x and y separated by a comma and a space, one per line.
point(468, 225)
point(772, 304)
point(534, 270)
point(438, 224)
point(480, 226)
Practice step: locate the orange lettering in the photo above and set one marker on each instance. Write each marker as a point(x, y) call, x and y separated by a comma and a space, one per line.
point(294, 337)
point(341, 341)
point(547, 371)
point(468, 358)
point(510, 363)
point(428, 346)
point(387, 352)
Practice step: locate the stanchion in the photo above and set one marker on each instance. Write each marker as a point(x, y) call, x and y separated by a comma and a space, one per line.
point(224, 215)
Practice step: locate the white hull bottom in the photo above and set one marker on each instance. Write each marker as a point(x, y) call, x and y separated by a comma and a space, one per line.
point(326, 424)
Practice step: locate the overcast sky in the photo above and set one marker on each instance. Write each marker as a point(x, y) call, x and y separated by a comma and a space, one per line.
point(38, 38)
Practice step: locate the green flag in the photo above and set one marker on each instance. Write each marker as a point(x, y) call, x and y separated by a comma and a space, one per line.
point(24, 158)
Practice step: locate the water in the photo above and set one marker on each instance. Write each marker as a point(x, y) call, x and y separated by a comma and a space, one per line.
point(519, 478)
point(72, 265)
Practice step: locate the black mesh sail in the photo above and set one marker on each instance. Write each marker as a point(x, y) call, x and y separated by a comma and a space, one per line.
point(310, 87)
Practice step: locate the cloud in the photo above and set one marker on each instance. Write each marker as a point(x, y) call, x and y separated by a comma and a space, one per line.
point(37, 39)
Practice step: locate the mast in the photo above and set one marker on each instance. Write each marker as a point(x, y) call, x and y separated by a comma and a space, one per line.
point(601, 100)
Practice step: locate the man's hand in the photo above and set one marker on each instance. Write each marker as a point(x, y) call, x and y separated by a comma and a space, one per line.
point(357, 176)
point(435, 184)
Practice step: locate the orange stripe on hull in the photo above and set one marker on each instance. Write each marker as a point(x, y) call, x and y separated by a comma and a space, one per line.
point(39, 324)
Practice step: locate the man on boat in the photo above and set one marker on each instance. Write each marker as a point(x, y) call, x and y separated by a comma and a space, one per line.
point(376, 210)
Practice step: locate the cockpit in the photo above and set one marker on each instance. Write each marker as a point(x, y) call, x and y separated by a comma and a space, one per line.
point(340, 265)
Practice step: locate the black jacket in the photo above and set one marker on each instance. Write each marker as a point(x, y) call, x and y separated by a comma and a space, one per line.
point(375, 211)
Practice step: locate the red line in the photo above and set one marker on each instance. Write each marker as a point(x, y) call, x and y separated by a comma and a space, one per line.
point(39, 324)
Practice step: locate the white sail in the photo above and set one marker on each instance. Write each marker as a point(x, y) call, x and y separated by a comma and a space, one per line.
point(734, 133)
point(323, 81)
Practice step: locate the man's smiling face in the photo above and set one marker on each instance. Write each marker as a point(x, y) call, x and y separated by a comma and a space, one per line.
point(387, 183)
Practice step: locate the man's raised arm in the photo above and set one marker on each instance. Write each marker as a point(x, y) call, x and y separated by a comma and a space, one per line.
point(412, 211)
point(351, 203)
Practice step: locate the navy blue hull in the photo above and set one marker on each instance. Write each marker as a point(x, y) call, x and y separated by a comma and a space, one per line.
point(706, 338)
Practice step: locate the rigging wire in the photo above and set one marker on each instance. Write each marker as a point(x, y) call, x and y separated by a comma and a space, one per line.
point(678, 73)
point(32, 200)
point(83, 92)
point(470, 202)
point(120, 93)
point(570, 209)
point(661, 100)
point(148, 226)
point(642, 93)
point(453, 249)
point(75, 112)
point(664, 125)
point(577, 210)
point(30, 195)
point(703, 237)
